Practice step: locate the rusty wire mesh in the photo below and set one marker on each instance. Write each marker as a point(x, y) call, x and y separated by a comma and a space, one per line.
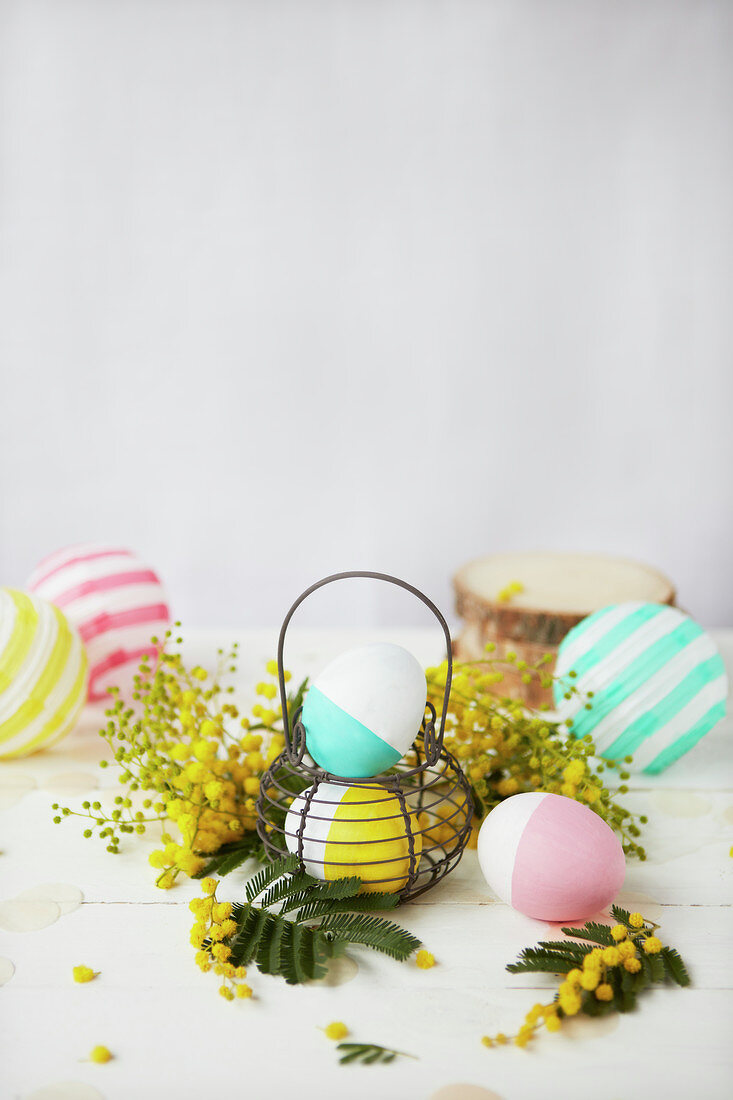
point(433, 821)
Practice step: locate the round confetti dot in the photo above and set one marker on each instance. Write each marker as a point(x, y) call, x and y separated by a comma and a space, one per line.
point(27, 916)
point(13, 786)
point(681, 803)
point(67, 897)
point(71, 783)
point(7, 969)
point(465, 1092)
point(66, 1090)
point(340, 971)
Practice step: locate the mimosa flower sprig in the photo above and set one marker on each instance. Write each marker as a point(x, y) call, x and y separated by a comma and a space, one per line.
point(598, 979)
point(198, 763)
point(506, 748)
point(290, 925)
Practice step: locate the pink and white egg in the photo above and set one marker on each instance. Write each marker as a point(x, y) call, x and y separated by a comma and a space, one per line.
point(550, 857)
point(116, 602)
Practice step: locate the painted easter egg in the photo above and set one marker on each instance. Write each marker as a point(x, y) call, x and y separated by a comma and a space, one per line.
point(657, 679)
point(354, 831)
point(550, 857)
point(364, 710)
point(115, 601)
point(43, 674)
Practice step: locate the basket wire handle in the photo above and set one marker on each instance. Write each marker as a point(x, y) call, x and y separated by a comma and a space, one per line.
point(295, 739)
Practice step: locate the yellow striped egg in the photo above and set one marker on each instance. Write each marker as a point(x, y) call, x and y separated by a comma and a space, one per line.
point(43, 674)
point(354, 830)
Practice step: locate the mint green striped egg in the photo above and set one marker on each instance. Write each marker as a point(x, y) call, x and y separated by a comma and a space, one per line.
point(658, 683)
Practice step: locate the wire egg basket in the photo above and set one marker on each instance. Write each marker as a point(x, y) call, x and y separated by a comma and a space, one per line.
point(419, 812)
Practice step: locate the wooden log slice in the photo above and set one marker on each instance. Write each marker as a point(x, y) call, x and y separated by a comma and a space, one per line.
point(558, 591)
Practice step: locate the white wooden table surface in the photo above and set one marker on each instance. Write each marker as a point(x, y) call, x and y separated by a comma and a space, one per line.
point(172, 1035)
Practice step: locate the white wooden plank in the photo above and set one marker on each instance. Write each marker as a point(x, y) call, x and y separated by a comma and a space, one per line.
point(168, 1042)
point(472, 945)
point(158, 1013)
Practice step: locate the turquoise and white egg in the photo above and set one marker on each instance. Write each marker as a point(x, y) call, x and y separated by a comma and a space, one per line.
point(364, 710)
point(658, 683)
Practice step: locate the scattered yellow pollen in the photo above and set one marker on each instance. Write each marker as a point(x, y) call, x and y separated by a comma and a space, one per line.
point(336, 1030)
point(509, 591)
point(99, 1054)
point(84, 974)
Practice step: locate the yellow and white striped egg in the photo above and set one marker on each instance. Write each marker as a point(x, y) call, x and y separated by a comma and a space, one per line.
point(43, 674)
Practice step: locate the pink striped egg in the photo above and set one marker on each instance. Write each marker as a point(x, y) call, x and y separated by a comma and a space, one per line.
point(115, 601)
point(550, 857)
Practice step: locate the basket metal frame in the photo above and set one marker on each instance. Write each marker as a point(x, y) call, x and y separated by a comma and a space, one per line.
point(295, 738)
point(436, 773)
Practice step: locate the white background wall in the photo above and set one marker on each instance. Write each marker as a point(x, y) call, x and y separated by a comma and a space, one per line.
point(290, 287)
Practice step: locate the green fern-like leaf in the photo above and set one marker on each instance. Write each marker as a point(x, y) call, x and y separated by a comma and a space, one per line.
point(624, 997)
point(566, 947)
point(340, 888)
point(593, 1007)
point(542, 961)
point(641, 979)
point(329, 917)
point(301, 952)
point(287, 966)
point(284, 888)
point(255, 926)
point(269, 952)
point(674, 966)
point(369, 1054)
point(269, 874)
point(621, 916)
point(561, 956)
point(363, 903)
point(375, 932)
point(630, 988)
point(337, 890)
point(591, 930)
point(656, 968)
